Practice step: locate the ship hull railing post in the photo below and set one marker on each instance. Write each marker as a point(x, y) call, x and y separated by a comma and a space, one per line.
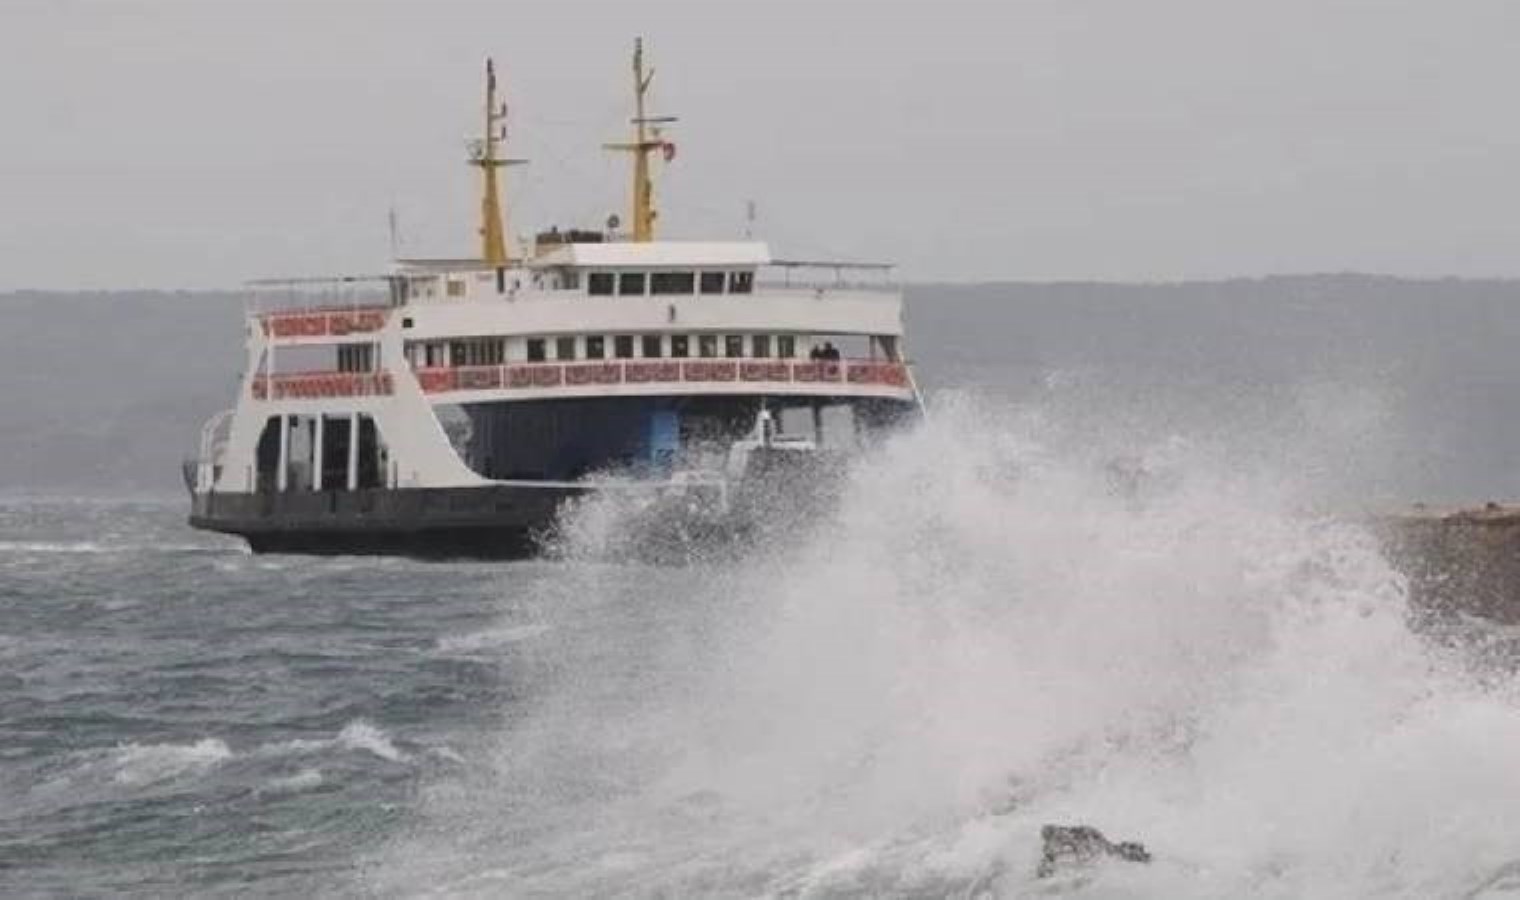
point(353, 451)
point(282, 475)
point(316, 453)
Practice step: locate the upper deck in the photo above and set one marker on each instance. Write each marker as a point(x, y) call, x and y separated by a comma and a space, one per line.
point(656, 287)
point(644, 287)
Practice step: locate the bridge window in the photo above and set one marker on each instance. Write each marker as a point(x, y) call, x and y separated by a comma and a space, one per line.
point(741, 282)
point(707, 346)
point(762, 346)
point(596, 347)
point(456, 287)
point(651, 346)
point(733, 345)
point(599, 284)
point(535, 349)
point(786, 346)
point(680, 347)
point(622, 346)
point(564, 348)
point(672, 283)
point(712, 282)
point(631, 284)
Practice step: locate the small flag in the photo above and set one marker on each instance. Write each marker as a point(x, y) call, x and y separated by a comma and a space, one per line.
point(668, 150)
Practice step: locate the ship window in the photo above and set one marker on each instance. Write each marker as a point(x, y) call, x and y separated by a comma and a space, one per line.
point(457, 351)
point(456, 287)
point(712, 282)
point(501, 280)
point(631, 284)
point(741, 282)
point(707, 345)
point(651, 346)
point(786, 346)
point(733, 345)
point(595, 347)
point(357, 358)
point(599, 284)
point(622, 346)
point(570, 280)
point(762, 346)
point(672, 282)
point(564, 348)
point(535, 349)
point(435, 355)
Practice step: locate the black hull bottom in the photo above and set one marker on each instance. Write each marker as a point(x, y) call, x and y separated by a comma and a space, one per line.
point(470, 542)
point(496, 522)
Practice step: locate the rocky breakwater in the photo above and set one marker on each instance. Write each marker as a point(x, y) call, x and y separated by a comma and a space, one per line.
point(1458, 561)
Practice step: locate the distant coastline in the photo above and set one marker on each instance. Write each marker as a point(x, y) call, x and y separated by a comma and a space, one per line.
point(90, 411)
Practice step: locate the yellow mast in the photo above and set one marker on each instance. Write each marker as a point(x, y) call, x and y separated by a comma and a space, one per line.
point(493, 229)
point(645, 142)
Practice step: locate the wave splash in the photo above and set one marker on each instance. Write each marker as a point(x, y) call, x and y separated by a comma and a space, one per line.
point(987, 636)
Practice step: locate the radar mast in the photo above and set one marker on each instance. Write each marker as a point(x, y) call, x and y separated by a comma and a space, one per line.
point(646, 140)
point(486, 155)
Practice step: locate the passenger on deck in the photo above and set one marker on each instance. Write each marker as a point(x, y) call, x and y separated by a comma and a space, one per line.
point(829, 352)
point(816, 353)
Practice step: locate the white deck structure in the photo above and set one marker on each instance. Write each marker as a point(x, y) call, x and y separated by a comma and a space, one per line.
point(460, 333)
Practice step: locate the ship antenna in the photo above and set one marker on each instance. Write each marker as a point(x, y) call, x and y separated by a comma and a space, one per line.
point(486, 155)
point(645, 142)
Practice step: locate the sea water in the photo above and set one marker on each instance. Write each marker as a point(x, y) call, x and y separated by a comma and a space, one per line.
point(990, 633)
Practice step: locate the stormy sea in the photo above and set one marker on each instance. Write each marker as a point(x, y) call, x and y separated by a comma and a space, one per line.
point(999, 626)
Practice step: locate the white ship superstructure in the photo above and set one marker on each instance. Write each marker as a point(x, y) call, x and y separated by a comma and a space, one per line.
point(451, 406)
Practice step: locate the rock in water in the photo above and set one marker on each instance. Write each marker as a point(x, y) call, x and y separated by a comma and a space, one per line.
point(1082, 845)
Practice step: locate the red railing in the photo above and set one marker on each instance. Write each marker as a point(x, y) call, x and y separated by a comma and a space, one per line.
point(325, 322)
point(521, 376)
point(317, 385)
point(524, 376)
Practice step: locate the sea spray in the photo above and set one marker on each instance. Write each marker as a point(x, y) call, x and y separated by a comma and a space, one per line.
point(988, 634)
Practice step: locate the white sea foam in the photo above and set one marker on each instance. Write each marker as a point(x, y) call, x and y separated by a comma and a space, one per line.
point(140, 764)
point(358, 735)
point(145, 764)
point(361, 735)
point(56, 547)
point(304, 780)
point(988, 637)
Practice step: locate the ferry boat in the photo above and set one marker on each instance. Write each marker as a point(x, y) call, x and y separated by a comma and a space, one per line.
point(452, 407)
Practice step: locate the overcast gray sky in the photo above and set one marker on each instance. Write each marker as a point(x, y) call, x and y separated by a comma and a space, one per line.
point(169, 143)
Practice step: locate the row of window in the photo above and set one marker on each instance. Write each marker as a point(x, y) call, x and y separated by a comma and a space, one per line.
point(483, 351)
point(356, 357)
point(655, 346)
point(603, 284)
point(638, 284)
